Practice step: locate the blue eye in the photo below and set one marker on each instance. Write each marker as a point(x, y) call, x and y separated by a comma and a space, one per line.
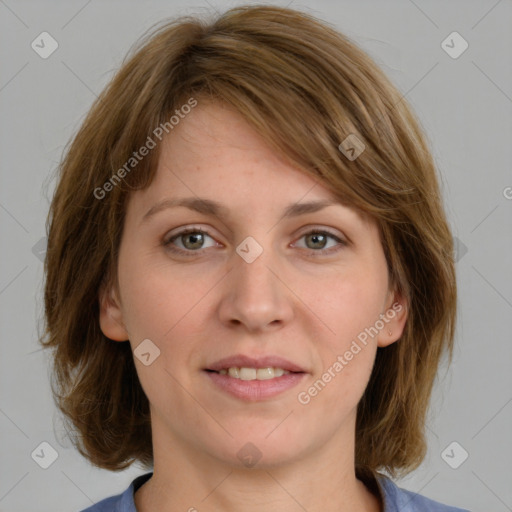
point(197, 236)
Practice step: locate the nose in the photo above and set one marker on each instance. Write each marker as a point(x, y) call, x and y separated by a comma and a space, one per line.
point(256, 294)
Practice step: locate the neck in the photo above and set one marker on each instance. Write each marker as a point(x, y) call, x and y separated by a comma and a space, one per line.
point(187, 479)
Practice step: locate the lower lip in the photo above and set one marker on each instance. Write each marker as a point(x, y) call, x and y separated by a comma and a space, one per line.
point(254, 390)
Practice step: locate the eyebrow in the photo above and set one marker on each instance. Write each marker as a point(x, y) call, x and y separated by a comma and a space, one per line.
point(210, 207)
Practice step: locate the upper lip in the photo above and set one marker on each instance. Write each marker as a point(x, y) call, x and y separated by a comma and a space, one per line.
point(240, 360)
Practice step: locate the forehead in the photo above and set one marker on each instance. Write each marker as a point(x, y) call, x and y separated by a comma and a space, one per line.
point(214, 153)
point(214, 146)
point(211, 135)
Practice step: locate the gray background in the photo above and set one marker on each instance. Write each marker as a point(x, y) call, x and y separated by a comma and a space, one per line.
point(464, 105)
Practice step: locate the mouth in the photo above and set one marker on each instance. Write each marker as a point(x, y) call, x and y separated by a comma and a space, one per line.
point(242, 365)
point(254, 379)
point(247, 373)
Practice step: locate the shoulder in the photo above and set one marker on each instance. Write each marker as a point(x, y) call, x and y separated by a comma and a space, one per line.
point(107, 505)
point(398, 499)
point(123, 502)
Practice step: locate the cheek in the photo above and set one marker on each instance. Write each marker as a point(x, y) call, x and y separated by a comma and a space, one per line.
point(163, 308)
point(350, 305)
point(157, 299)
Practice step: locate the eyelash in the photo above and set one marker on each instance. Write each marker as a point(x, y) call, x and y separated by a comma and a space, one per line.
point(189, 252)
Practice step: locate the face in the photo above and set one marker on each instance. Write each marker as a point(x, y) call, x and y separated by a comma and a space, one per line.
point(297, 291)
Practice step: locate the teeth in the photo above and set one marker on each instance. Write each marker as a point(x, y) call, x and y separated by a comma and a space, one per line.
point(253, 373)
point(233, 372)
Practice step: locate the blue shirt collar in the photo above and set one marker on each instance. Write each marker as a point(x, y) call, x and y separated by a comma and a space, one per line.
point(394, 499)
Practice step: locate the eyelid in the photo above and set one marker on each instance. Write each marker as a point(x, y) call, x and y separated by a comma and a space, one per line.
point(187, 229)
point(307, 230)
point(169, 237)
point(323, 229)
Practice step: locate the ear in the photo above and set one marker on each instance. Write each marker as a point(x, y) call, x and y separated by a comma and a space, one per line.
point(111, 316)
point(394, 317)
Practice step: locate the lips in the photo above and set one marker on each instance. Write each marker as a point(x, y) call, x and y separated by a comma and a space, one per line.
point(239, 361)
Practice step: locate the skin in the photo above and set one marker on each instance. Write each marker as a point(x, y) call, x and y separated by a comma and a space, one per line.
point(291, 301)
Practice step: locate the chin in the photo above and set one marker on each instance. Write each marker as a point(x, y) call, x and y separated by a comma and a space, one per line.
point(259, 452)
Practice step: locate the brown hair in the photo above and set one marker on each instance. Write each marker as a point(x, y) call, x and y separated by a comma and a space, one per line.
point(304, 87)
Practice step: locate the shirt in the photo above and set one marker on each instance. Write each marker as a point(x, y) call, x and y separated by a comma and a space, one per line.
point(395, 499)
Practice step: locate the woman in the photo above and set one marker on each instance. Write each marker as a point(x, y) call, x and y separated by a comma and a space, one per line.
point(249, 276)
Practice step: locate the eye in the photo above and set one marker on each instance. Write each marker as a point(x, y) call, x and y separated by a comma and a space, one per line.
point(317, 240)
point(192, 240)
